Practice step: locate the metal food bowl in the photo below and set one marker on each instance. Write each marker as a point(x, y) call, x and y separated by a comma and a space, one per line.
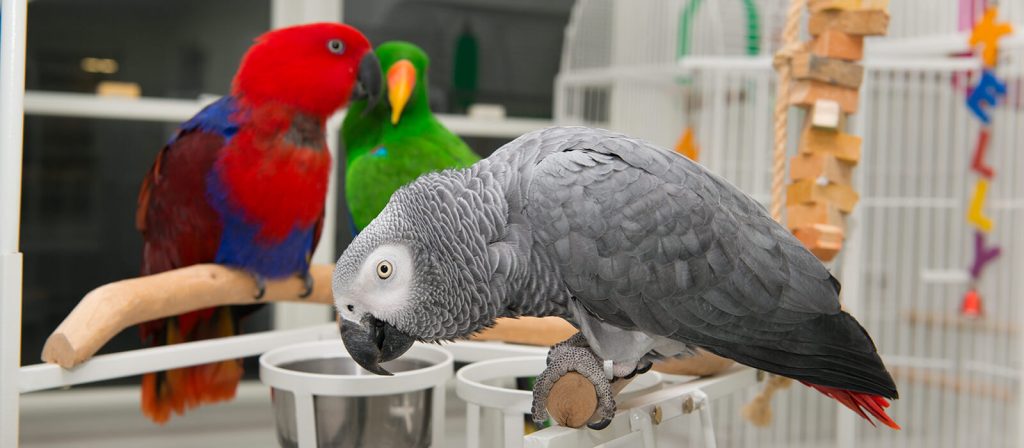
point(322, 398)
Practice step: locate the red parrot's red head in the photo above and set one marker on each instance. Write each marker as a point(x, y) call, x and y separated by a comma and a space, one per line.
point(316, 68)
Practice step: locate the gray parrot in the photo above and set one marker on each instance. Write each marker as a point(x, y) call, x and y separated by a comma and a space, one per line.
point(647, 253)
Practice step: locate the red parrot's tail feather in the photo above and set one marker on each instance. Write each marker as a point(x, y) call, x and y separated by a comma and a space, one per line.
point(181, 389)
point(860, 402)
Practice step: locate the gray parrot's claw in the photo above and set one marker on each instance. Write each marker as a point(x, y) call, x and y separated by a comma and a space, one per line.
point(540, 413)
point(307, 280)
point(261, 286)
point(600, 425)
point(642, 368)
point(645, 368)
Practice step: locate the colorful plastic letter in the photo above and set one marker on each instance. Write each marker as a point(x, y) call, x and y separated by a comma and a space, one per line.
point(987, 33)
point(988, 90)
point(982, 255)
point(978, 160)
point(975, 215)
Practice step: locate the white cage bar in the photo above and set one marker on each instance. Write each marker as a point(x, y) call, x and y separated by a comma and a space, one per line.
point(12, 89)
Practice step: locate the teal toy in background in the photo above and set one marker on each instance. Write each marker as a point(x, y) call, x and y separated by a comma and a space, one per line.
point(396, 141)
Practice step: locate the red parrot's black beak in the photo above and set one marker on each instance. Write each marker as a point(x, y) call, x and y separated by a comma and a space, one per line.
point(368, 82)
point(372, 342)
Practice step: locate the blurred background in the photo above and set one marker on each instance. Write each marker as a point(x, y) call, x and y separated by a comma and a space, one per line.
point(653, 69)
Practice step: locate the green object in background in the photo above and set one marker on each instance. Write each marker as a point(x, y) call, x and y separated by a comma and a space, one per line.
point(398, 140)
point(686, 28)
point(465, 70)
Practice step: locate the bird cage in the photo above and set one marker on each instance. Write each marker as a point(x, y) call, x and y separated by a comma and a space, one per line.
point(904, 269)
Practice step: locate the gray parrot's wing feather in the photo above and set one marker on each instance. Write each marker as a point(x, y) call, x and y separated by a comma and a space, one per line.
point(646, 239)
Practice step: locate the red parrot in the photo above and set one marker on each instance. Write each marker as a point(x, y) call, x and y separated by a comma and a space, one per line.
point(243, 183)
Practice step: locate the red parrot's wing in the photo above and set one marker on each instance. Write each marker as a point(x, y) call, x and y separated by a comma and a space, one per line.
point(179, 226)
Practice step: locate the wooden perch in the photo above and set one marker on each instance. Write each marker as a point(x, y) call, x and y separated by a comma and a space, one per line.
point(959, 384)
point(107, 310)
point(572, 401)
point(955, 321)
point(543, 331)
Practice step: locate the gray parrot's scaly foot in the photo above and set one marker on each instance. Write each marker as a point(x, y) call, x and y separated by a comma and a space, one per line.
point(573, 355)
point(307, 280)
point(261, 285)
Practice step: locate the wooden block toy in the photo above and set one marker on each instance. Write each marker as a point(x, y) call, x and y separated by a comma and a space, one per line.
point(808, 191)
point(847, 5)
point(837, 72)
point(834, 44)
point(826, 115)
point(805, 93)
point(823, 240)
point(799, 215)
point(862, 22)
point(815, 166)
point(844, 146)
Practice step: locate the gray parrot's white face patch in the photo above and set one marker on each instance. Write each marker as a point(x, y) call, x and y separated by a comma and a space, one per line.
point(382, 286)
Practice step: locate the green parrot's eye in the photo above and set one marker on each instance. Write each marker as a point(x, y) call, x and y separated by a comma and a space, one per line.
point(384, 269)
point(336, 46)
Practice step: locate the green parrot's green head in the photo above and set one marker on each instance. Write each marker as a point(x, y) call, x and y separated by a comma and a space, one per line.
point(405, 67)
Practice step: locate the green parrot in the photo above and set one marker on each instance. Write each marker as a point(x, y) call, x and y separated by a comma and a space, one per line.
point(395, 142)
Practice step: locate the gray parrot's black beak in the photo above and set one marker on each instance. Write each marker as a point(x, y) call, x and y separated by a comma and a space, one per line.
point(368, 82)
point(372, 342)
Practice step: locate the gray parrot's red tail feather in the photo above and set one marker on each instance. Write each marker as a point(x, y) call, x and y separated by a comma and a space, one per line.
point(860, 402)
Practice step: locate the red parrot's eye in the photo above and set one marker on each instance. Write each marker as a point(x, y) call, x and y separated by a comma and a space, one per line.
point(336, 46)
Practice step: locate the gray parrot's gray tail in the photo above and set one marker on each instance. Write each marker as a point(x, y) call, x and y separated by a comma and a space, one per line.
point(832, 354)
point(831, 350)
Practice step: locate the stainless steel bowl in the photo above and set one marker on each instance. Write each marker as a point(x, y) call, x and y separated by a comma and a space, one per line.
point(399, 421)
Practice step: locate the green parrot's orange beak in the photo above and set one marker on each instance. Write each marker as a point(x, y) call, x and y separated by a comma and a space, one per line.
point(401, 81)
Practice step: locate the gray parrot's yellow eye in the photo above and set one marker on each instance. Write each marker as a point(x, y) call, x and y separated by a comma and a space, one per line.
point(336, 46)
point(384, 269)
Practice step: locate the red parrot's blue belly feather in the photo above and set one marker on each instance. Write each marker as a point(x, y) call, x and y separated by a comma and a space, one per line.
point(240, 247)
point(243, 245)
